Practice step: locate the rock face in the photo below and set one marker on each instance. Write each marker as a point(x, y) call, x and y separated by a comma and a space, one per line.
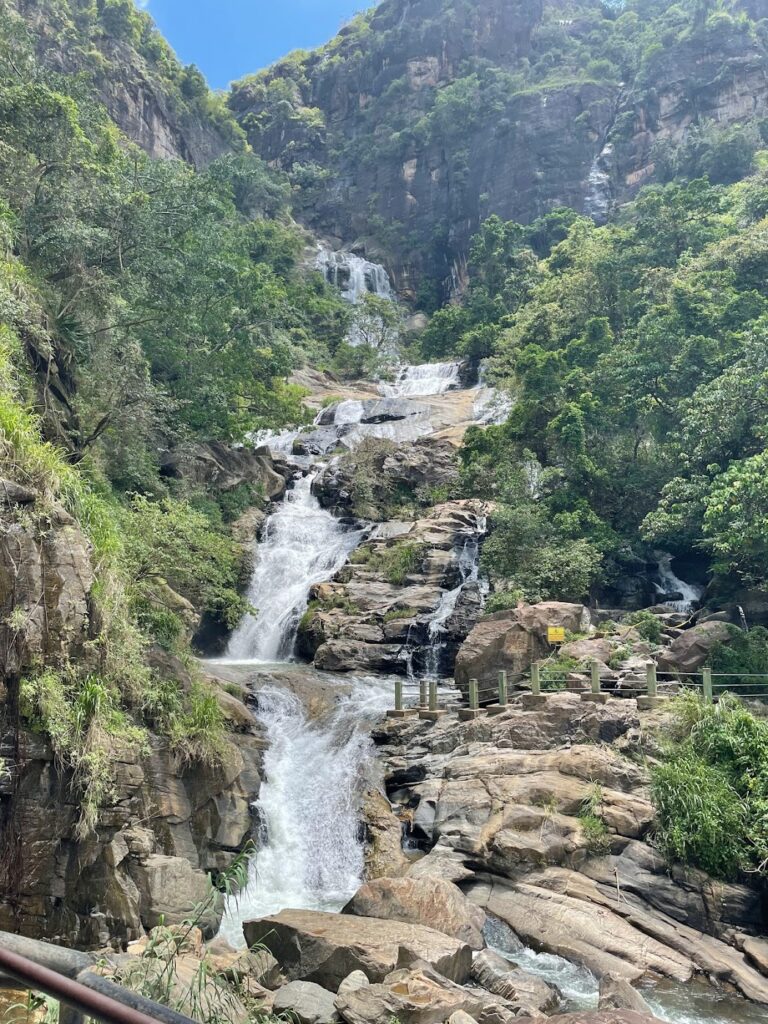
point(46, 578)
point(618, 994)
point(326, 948)
point(391, 113)
point(431, 902)
point(498, 804)
point(376, 615)
point(222, 467)
point(133, 83)
point(512, 640)
point(164, 829)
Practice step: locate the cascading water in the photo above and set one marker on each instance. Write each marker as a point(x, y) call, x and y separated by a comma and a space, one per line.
point(424, 379)
point(469, 572)
point(492, 406)
point(303, 545)
point(353, 275)
point(691, 594)
point(311, 853)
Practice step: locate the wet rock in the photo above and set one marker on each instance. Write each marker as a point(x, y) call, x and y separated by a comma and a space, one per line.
point(306, 1003)
point(693, 647)
point(326, 948)
point(431, 902)
point(526, 993)
point(616, 993)
point(512, 640)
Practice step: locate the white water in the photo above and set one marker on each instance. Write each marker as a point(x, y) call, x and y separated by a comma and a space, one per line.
point(302, 545)
point(311, 852)
point(469, 572)
point(353, 275)
point(695, 1003)
point(425, 379)
point(672, 584)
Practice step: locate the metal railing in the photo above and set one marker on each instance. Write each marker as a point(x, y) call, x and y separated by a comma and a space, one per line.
point(648, 686)
point(70, 978)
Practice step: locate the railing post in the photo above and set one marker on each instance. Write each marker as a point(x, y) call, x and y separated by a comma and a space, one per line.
point(536, 679)
point(398, 695)
point(422, 693)
point(503, 695)
point(652, 680)
point(474, 702)
point(707, 681)
point(594, 669)
point(433, 695)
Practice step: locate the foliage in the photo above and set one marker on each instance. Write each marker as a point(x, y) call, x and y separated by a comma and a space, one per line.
point(711, 791)
point(648, 625)
point(593, 826)
point(744, 656)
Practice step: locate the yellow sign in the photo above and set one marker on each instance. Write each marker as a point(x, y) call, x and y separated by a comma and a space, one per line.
point(555, 635)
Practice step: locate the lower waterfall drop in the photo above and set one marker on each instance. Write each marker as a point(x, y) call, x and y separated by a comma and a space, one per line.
point(310, 855)
point(303, 545)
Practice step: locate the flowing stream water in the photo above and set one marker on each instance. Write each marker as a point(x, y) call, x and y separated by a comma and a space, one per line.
point(690, 594)
point(310, 853)
point(302, 545)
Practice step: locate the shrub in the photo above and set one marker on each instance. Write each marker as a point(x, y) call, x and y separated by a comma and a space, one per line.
point(711, 791)
point(648, 625)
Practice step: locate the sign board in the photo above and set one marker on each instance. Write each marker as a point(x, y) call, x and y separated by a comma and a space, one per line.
point(555, 635)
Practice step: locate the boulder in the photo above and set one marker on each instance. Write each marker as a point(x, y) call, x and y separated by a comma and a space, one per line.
point(526, 993)
point(590, 649)
point(225, 467)
point(383, 838)
point(171, 889)
point(305, 1003)
point(428, 901)
point(512, 640)
point(616, 993)
point(325, 948)
point(693, 647)
point(415, 997)
point(353, 982)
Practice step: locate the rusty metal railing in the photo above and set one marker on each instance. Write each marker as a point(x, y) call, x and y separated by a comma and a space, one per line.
point(69, 977)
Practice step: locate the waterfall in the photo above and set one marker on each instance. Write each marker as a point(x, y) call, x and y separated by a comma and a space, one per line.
point(311, 852)
point(469, 572)
point(425, 379)
point(353, 275)
point(672, 584)
point(599, 196)
point(302, 545)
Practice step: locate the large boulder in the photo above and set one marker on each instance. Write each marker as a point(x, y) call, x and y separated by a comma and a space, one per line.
point(325, 948)
point(171, 889)
point(512, 640)
point(417, 997)
point(689, 651)
point(525, 992)
point(305, 1003)
point(428, 901)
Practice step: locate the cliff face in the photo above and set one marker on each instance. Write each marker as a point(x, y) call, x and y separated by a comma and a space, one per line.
point(162, 106)
point(424, 117)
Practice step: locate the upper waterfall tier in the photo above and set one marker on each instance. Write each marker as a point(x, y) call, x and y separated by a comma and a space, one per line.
point(353, 275)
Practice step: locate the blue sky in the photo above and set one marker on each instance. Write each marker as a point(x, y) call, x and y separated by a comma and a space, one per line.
point(230, 38)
